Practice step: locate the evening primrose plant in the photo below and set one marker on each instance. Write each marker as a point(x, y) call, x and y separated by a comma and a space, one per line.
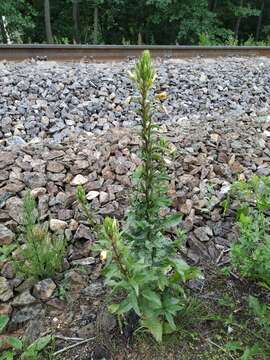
point(142, 266)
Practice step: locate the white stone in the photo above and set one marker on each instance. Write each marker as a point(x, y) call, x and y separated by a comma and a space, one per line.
point(92, 195)
point(79, 180)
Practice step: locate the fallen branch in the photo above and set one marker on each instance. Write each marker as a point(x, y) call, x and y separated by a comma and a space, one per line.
point(61, 337)
point(72, 346)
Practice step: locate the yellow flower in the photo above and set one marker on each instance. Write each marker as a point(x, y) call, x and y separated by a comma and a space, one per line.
point(161, 96)
point(103, 255)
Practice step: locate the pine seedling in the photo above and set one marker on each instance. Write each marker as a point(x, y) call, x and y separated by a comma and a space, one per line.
point(42, 254)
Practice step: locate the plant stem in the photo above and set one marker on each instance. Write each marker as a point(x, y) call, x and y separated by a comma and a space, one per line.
point(148, 162)
point(117, 258)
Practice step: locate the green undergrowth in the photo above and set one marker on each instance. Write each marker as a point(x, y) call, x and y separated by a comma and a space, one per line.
point(230, 317)
point(222, 322)
point(250, 254)
point(14, 348)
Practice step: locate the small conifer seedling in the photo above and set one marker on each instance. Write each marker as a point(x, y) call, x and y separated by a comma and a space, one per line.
point(42, 254)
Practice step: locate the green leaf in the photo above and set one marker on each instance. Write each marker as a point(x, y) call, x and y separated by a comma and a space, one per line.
point(124, 307)
point(250, 352)
point(37, 346)
point(181, 268)
point(134, 302)
point(113, 308)
point(8, 355)
point(154, 325)
point(233, 346)
point(170, 320)
point(172, 220)
point(14, 342)
point(4, 319)
point(162, 282)
point(135, 285)
point(171, 304)
point(153, 297)
point(167, 329)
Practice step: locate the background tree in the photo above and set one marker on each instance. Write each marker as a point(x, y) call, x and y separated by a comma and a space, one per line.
point(76, 21)
point(243, 10)
point(133, 21)
point(16, 20)
point(260, 18)
point(47, 19)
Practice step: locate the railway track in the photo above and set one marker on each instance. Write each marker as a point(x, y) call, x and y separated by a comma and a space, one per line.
point(116, 53)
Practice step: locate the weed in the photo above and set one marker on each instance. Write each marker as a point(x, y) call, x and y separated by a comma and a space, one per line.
point(254, 193)
point(17, 348)
point(6, 250)
point(250, 254)
point(260, 314)
point(42, 255)
point(4, 319)
point(225, 204)
point(85, 206)
point(62, 293)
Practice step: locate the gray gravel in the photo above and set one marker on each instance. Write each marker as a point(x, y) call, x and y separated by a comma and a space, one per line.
point(48, 100)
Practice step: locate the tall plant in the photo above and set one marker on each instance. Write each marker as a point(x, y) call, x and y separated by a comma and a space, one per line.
point(145, 224)
point(142, 265)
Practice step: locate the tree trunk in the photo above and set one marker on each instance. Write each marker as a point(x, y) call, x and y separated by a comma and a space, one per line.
point(47, 18)
point(95, 33)
point(237, 27)
point(212, 5)
point(139, 40)
point(259, 24)
point(238, 22)
point(75, 13)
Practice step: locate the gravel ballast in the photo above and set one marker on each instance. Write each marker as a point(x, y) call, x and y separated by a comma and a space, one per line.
point(69, 124)
point(52, 100)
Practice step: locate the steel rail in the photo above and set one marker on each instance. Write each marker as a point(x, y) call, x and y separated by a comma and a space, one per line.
point(117, 52)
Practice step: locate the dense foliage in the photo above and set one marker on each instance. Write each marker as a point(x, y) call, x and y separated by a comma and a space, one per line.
point(208, 22)
point(250, 254)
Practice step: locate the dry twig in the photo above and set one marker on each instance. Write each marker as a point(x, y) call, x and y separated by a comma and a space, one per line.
point(73, 346)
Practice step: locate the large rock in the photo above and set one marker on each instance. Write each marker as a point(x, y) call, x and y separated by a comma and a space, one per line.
point(6, 292)
point(5, 309)
point(57, 225)
point(44, 289)
point(203, 233)
point(55, 167)
point(26, 313)
point(25, 298)
point(6, 235)
point(35, 180)
point(14, 207)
